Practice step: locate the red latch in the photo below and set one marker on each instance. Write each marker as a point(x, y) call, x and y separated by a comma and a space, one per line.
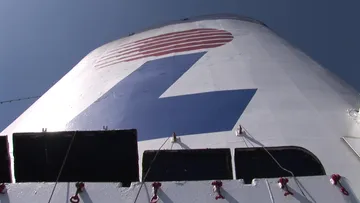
point(156, 186)
point(283, 185)
point(3, 188)
point(80, 186)
point(216, 188)
point(335, 180)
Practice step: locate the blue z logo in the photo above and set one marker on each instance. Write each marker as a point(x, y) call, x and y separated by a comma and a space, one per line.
point(134, 103)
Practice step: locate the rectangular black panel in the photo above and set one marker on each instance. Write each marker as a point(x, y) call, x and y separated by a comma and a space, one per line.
point(94, 156)
point(5, 169)
point(190, 164)
point(255, 162)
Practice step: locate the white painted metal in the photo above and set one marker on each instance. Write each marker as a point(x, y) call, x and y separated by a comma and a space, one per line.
point(354, 144)
point(297, 103)
point(316, 189)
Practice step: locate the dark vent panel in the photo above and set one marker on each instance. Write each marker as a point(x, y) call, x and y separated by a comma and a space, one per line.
point(94, 156)
point(191, 164)
point(253, 163)
point(5, 169)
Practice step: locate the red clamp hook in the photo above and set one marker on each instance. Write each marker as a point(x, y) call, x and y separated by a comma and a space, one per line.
point(156, 186)
point(2, 188)
point(80, 186)
point(216, 188)
point(283, 185)
point(335, 180)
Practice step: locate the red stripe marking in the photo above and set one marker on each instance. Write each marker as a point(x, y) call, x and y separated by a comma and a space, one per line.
point(182, 41)
point(190, 44)
point(173, 34)
point(179, 32)
point(120, 49)
point(180, 49)
point(177, 50)
point(155, 45)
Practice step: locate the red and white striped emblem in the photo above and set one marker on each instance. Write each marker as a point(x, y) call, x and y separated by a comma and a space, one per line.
point(164, 44)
